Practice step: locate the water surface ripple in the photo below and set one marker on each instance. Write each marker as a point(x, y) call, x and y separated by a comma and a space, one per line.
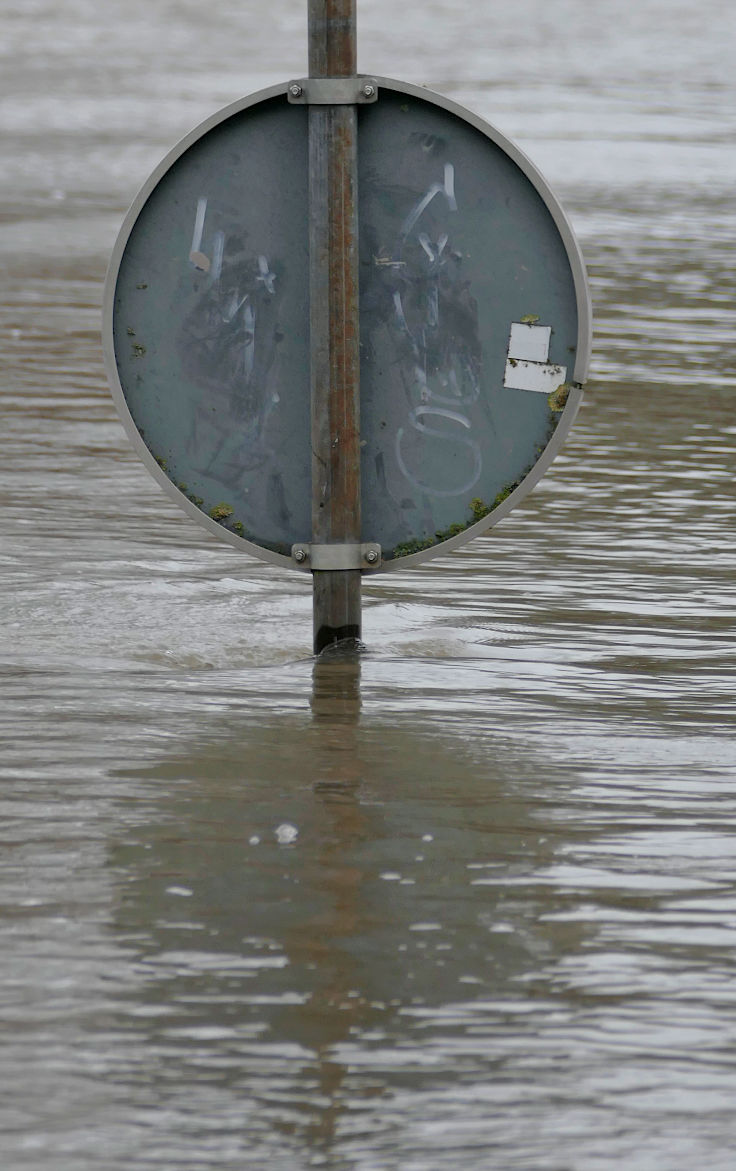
point(470, 901)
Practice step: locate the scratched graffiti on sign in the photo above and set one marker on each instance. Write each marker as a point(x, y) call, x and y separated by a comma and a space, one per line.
point(433, 321)
point(228, 344)
point(468, 324)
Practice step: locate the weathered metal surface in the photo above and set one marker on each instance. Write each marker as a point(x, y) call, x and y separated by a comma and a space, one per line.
point(459, 253)
point(207, 326)
point(334, 323)
point(332, 38)
point(467, 265)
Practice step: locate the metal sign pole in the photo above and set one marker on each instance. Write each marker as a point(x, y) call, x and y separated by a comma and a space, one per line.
point(334, 322)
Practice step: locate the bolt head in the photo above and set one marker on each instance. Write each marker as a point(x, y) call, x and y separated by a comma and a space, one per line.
point(368, 91)
point(371, 556)
point(300, 555)
point(295, 90)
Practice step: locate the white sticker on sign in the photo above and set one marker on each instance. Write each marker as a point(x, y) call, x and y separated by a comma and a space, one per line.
point(529, 342)
point(543, 377)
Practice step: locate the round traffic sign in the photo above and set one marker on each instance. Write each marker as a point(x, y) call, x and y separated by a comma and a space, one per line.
point(474, 324)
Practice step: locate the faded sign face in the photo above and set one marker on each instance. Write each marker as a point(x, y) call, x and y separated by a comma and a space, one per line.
point(474, 323)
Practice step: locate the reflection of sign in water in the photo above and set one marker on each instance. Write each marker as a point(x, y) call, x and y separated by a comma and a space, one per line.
point(473, 314)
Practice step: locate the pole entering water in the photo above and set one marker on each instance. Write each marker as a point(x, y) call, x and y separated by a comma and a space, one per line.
point(334, 322)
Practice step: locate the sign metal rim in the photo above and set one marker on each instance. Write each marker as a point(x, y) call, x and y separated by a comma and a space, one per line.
point(582, 295)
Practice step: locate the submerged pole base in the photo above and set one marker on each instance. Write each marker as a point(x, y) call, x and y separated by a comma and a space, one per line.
point(336, 607)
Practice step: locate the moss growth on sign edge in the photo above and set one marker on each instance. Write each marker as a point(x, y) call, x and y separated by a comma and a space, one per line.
point(478, 509)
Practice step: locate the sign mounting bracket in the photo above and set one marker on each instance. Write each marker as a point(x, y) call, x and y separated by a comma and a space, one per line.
point(336, 556)
point(332, 91)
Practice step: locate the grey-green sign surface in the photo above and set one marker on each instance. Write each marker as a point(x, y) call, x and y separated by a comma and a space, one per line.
point(474, 324)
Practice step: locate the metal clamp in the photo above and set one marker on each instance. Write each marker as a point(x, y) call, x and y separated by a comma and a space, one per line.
point(332, 91)
point(331, 557)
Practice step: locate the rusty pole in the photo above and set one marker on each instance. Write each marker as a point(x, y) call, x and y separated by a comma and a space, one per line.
point(334, 323)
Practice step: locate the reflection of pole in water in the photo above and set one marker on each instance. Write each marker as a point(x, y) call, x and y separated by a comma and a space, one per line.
point(337, 1005)
point(336, 687)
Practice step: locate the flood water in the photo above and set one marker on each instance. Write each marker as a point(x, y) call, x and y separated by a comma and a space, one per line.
point(469, 901)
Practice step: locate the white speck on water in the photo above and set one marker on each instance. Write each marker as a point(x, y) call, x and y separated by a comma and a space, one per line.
point(427, 837)
point(254, 840)
point(183, 891)
point(33, 1142)
point(286, 834)
point(390, 876)
point(425, 927)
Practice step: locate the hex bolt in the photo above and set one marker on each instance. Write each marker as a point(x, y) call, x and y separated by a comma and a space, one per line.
point(371, 556)
point(296, 90)
point(368, 90)
point(300, 555)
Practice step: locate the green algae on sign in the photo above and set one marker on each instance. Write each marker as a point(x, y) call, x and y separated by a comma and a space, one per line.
point(478, 509)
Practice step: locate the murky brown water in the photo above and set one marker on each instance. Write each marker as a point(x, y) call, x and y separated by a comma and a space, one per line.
point(472, 901)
